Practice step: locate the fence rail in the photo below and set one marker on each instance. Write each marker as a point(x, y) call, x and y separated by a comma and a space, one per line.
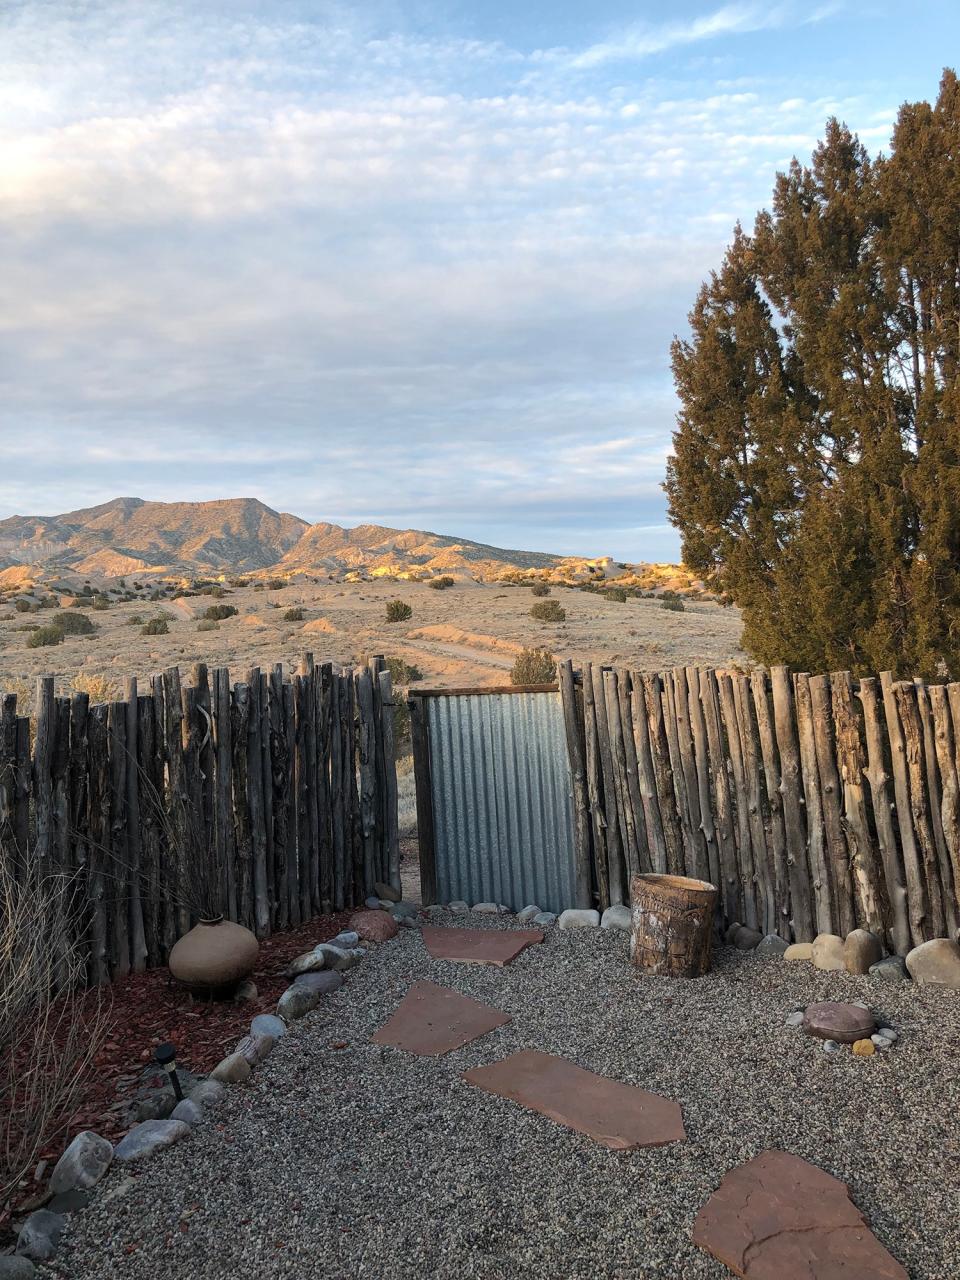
point(816, 803)
point(268, 801)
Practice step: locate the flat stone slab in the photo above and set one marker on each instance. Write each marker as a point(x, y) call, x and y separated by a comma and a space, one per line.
point(433, 1020)
point(835, 1020)
point(478, 946)
point(777, 1217)
point(616, 1115)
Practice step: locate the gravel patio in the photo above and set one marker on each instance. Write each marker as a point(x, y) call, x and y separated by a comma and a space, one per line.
point(343, 1158)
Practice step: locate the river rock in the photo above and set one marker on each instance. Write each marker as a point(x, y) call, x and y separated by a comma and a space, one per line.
point(544, 918)
point(828, 952)
point(731, 933)
point(408, 909)
point(346, 939)
point(617, 917)
point(576, 918)
point(233, 1069)
point(372, 903)
point(246, 993)
point(935, 963)
point(835, 1020)
point(17, 1268)
point(255, 1048)
point(296, 1003)
point(799, 951)
point(374, 926)
point(338, 957)
point(323, 983)
point(309, 962)
point(68, 1202)
point(528, 913)
point(39, 1235)
point(890, 969)
point(387, 891)
point(861, 950)
point(268, 1024)
point(207, 1093)
point(747, 939)
point(188, 1111)
point(458, 908)
point(150, 1136)
point(486, 908)
point(771, 944)
point(83, 1164)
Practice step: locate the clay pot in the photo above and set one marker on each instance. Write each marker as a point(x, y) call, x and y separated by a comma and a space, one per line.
point(215, 953)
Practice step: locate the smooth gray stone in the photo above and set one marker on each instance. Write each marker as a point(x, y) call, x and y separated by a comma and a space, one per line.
point(323, 983)
point(486, 909)
point(387, 891)
point(150, 1136)
point(891, 969)
point(772, 945)
point(617, 917)
point(208, 1093)
point(233, 1069)
point(575, 918)
point(458, 908)
point(794, 1019)
point(188, 1111)
point(308, 962)
point(14, 1268)
point(296, 1003)
point(830, 1046)
point(40, 1234)
point(528, 913)
point(339, 957)
point(888, 1033)
point(404, 909)
point(747, 939)
point(544, 918)
point(372, 903)
point(255, 1048)
point(83, 1164)
point(347, 939)
point(406, 922)
point(70, 1201)
point(882, 1042)
point(268, 1024)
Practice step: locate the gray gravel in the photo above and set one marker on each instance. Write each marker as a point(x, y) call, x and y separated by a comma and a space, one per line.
point(365, 1161)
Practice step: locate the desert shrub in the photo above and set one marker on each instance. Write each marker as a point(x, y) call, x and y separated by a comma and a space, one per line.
point(548, 611)
point(670, 594)
point(539, 589)
point(208, 624)
point(442, 583)
point(293, 615)
point(534, 666)
point(398, 611)
point(135, 620)
point(216, 612)
point(276, 584)
point(48, 602)
point(403, 672)
point(674, 604)
point(100, 603)
point(239, 582)
point(214, 590)
point(155, 627)
point(617, 594)
point(75, 624)
point(258, 586)
point(22, 606)
point(44, 636)
point(98, 688)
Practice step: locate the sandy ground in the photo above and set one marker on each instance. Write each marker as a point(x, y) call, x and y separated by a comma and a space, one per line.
point(466, 636)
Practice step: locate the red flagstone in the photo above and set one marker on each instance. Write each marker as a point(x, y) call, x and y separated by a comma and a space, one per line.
point(616, 1115)
point(478, 946)
point(777, 1217)
point(432, 1020)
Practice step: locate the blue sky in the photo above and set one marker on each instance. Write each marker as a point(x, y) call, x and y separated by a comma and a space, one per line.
point(414, 263)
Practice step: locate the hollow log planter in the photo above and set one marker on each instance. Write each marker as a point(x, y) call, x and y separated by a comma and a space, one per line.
point(672, 925)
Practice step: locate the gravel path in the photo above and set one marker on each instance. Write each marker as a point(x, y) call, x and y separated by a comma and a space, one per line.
point(345, 1159)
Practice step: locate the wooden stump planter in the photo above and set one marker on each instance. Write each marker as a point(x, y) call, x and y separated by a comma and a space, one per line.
point(672, 924)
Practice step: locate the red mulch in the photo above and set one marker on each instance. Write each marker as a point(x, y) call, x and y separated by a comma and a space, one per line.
point(146, 1009)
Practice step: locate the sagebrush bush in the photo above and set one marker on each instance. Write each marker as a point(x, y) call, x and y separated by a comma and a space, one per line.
point(155, 627)
point(534, 666)
point(100, 602)
point(75, 624)
point(276, 584)
point(442, 583)
point(539, 589)
point(135, 620)
point(217, 612)
point(22, 606)
point(618, 594)
point(398, 611)
point(548, 611)
point(293, 615)
point(403, 672)
point(44, 636)
point(674, 604)
point(97, 688)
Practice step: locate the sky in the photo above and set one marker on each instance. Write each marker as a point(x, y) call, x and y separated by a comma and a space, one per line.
point(417, 264)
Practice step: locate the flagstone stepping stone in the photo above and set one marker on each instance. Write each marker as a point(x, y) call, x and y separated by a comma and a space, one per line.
point(478, 946)
point(617, 1115)
point(432, 1020)
point(778, 1216)
point(834, 1020)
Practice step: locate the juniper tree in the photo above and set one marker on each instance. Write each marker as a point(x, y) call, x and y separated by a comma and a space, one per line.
point(816, 470)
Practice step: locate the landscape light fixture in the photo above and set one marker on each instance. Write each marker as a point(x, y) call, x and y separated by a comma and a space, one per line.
point(166, 1056)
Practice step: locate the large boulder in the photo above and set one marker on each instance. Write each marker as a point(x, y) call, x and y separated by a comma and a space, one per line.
point(575, 918)
point(891, 969)
point(835, 1020)
point(747, 939)
point(935, 963)
point(374, 926)
point(214, 955)
point(828, 952)
point(83, 1164)
point(860, 950)
point(150, 1136)
point(799, 951)
point(617, 917)
point(771, 944)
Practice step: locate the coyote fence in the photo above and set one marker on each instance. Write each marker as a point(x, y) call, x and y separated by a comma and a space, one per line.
point(815, 803)
point(268, 801)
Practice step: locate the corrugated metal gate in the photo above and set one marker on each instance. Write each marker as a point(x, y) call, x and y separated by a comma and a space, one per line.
point(494, 797)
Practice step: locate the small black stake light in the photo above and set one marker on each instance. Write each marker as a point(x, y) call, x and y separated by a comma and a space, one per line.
point(166, 1056)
